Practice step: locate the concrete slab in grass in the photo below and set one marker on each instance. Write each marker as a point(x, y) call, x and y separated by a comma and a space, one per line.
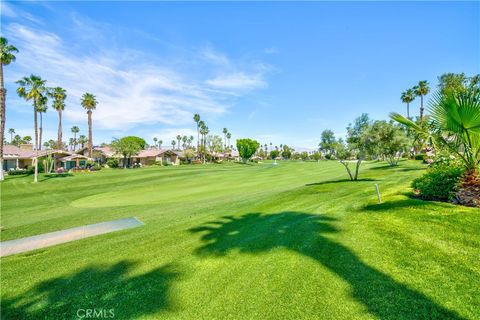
point(53, 238)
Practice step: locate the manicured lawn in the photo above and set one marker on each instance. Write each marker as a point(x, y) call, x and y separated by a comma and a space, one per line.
point(242, 242)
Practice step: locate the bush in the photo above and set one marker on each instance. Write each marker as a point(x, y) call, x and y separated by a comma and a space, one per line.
point(440, 182)
point(19, 172)
point(420, 156)
point(112, 163)
point(96, 167)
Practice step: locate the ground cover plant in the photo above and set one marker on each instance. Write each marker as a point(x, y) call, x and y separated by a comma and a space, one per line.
point(291, 241)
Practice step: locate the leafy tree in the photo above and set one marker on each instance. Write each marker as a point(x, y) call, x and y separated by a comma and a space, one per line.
point(304, 156)
point(33, 88)
point(421, 90)
point(214, 143)
point(247, 148)
point(454, 126)
point(7, 56)
point(385, 139)
point(327, 142)
point(128, 147)
point(454, 83)
point(274, 154)
point(287, 152)
point(58, 95)
point(356, 130)
point(316, 156)
point(89, 102)
point(408, 97)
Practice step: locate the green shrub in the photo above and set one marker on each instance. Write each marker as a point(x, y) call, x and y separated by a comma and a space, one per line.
point(439, 182)
point(112, 163)
point(96, 167)
point(420, 156)
point(19, 172)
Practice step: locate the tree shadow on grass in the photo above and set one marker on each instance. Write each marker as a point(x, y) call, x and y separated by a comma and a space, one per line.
point(406, 203)
point(339, 181)
point(305, 233)
point(95, 287)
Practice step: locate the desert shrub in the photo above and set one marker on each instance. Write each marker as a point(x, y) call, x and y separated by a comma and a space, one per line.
point(112, 163)
point(440, 182)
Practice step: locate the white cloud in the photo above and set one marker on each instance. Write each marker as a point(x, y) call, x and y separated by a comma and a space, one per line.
point(131, 89)
point(238, 81)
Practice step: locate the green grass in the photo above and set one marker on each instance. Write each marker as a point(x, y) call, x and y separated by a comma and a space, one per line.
point(242, 242)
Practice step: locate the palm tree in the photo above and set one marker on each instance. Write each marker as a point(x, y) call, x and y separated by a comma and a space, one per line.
point(33, 88)
point(160, 144)
point(229, 135)
point(7, 55)
point(173, 144)
point(41, 108)
point(82, 140)
point(75, 130)
point(407, 97)
point(12, 132)
point(71, 143)
point(179, 137)
point(89, 103)
point(59, 95)
point(155, 141)
point(196, 118)
point(453, 125)
point(421, 90)
point(184, 140)
point(190, 140)
point(225, 131)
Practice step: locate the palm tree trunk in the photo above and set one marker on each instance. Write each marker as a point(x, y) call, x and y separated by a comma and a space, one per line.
point(89, 134)
point(74, 141)
point(408, 110)
point(198, 137)
point(35, 122)
point(59, 142)
point(41, 131)
point(421, 107)
point(2, 119)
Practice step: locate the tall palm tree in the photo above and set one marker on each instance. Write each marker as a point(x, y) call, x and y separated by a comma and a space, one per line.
point(7, 56)
point(407, 97)
point(173, 144)
point(59, 95)
point(190, 140)
point(75, 130)
point(454, 125)
point(225, 131)
point(229, 135)
point(179, 137)
point(12, 132)
point(421, 90)
point(41, 108)
point(155, 141)
point(160, 142)
point(196, 118)
point(89, 103)
point(184, 140)
point(33, 88)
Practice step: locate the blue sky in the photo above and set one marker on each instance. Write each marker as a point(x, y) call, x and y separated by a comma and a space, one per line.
point(279, 72)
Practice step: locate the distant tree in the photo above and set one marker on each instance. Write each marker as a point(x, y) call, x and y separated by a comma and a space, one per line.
point(128, 147)
point(75, 130)
point(196, 118)
point(247, 148)
point(173, 144)
point(27, 139)
point(59, 95)
point(421, 90)
point(42, 108)
point(385, 139)
point(356, 130)
point(304, 156)
point(408, 97)
point(225, 131)
point(179, 138)
point(458, 83)
point(155, 141)
point(89, 102)
point(17, 140)
point(327, 142)
point(184, 142)
point(160, 142)
point(11, 131)
point(316, 156)
point(274, 154)
point(82, 140)
point(214, 143)
point(229, 135)
point(286, 152)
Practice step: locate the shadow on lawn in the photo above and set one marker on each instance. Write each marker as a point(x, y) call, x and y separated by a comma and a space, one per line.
point(95, 287)
point(304, 233)
point(338, 181)
point(406, 203)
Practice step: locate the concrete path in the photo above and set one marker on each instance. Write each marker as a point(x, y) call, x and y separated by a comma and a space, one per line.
point(53, 238)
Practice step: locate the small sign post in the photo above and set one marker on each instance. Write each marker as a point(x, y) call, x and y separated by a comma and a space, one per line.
point(378, 193)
